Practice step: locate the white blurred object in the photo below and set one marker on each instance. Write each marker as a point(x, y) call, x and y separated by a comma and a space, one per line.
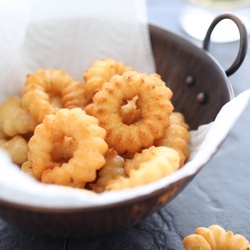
point(197, 15)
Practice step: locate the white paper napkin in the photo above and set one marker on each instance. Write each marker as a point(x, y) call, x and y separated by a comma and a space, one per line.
point(70, 35)
point(14, 18)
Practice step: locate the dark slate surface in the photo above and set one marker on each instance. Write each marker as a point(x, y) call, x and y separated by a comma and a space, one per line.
point(219, 194)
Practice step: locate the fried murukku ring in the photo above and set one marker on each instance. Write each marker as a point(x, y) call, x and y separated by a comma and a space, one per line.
point(44, 88)
point(153, 102)
point(100, 72)
point(81, 149)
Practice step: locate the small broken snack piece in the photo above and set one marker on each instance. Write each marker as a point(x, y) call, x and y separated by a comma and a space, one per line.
point(46, 91)
point(14, 119)
point(148, 166)
point(17, 148)
point(215, 238)
point(100, 72)
point(67, 148)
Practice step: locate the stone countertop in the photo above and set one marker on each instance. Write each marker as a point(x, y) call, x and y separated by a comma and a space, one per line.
point(219, 194)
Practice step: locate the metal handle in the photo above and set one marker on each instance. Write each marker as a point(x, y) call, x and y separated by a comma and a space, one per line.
point(243, 40)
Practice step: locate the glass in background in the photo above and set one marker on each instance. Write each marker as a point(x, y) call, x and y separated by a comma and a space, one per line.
point(197, 15)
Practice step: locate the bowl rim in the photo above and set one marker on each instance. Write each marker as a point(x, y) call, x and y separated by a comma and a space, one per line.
point(188, 42)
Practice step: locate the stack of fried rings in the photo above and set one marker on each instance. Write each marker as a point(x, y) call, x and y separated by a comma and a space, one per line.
point(56, 133)
point(154, 104)
point(44, 86)
point(58, 104)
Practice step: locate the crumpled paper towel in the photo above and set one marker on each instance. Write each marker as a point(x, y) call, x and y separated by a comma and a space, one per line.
point(14, 18)
point(71, 38)
point(70, 35)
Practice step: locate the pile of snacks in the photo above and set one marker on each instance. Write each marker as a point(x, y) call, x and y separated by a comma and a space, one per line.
point(116, 130)
point(215, 237)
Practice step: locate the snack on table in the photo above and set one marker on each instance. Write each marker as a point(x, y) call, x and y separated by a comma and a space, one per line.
point(44, 85)
point(215, 238)
point(148, 166)
point(73, 168)
point(14, 119)
point(176, 136)
point(153, 102)
point(100, 72)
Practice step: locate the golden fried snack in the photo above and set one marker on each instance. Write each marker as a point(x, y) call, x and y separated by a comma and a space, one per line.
point(17, 148)
point(176, 136)
point(178, 119)
point(215, 238)
point(2, 134)
point(154, 104)
point(150, 165)
point(66, 149)
point(112, 169)
point(100, 72)
point(27, 168)
point(46, 91)
point(14, 119)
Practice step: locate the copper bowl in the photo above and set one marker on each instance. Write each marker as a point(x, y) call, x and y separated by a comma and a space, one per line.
point(201, 88)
